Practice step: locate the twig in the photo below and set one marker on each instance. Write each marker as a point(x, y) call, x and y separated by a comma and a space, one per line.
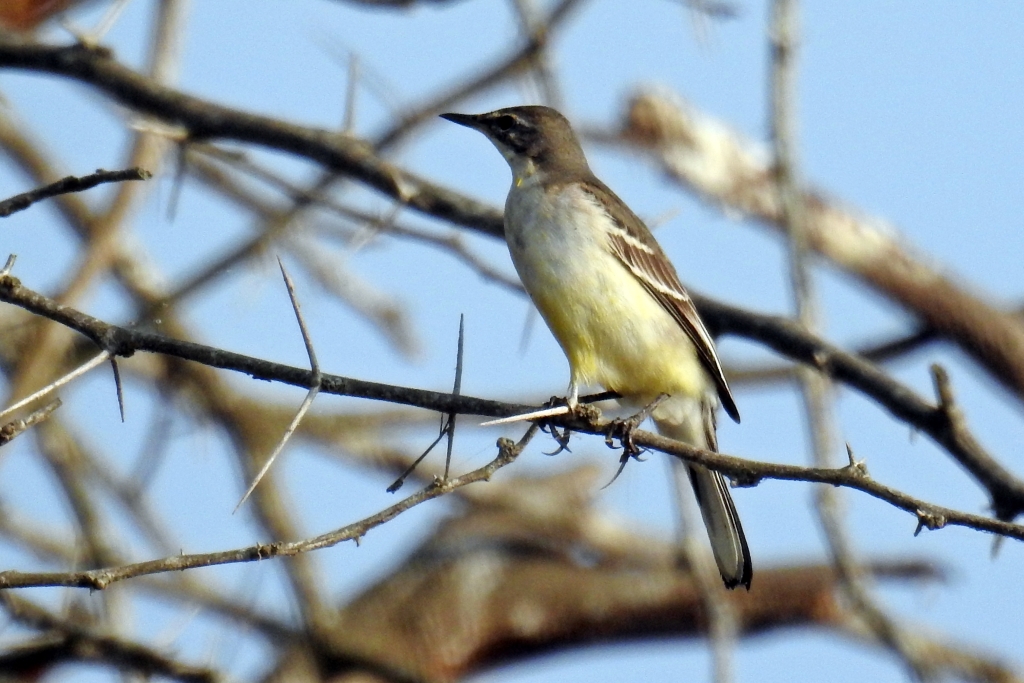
point(98, 579)
point(12, 429)
point(749, 473)
point(787, 338)
point(45, 544)
point(70, 184)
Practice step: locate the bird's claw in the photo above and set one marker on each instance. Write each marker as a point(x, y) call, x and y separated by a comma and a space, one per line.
point(621, 430)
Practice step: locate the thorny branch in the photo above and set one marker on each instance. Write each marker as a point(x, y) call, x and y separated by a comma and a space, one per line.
point(204, 120)
point(125, 342)
point(777, 333)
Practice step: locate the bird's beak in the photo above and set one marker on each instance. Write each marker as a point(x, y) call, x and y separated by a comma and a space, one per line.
point(468, 120)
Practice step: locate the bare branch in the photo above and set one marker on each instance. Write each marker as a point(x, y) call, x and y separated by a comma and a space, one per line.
point(780, 334)
point(206, 120)
point(68, 185)
point(98, 579)
point(12, 429)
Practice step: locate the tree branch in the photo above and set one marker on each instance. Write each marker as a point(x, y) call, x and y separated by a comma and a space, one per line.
point(67, 185)
point(779, 334)
point(205, 120)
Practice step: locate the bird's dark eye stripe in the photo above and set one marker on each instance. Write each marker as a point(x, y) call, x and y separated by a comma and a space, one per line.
point(504, 122)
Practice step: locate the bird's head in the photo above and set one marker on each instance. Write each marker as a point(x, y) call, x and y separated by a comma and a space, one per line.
point(530, 138)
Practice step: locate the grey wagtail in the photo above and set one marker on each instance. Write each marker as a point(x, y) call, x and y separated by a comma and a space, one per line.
point(613, 300)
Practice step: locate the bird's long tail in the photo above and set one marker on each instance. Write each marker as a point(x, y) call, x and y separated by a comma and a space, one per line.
point(694, 423)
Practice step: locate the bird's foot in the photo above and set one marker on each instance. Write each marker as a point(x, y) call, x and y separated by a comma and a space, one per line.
point(621, 430)
point(574, 410)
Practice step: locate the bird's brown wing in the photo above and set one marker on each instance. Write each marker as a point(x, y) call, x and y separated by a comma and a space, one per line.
point(636, 247)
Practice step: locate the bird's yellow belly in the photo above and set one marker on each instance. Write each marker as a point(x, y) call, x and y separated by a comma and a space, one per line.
point(619, 337)
point(613, 332)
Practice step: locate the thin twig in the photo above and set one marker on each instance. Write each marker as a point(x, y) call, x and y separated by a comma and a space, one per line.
point(98, 579)
point(70, 184)
point(12, 429)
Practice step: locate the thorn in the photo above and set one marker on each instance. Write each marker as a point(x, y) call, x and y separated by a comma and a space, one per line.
point(118, 386)
point(314, 389)
point(997, 543)
point(456, 390)
point(306, 339)
point(583, 410)
point(535, 415)
point(398, 483)
point(6, 270)
point(857, 467)
point(929, 519)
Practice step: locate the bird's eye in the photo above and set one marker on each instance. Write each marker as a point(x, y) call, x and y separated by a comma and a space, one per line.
point(504, 123)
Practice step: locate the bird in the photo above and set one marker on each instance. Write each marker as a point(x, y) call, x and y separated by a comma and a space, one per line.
point(613, 301)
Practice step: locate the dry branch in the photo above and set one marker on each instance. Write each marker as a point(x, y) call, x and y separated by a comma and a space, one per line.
point(123, 341)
